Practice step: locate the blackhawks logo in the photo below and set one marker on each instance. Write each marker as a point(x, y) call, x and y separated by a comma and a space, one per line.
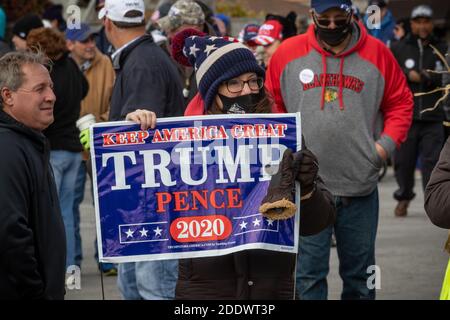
point(330, 95)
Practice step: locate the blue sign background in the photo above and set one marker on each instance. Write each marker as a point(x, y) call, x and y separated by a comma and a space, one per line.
point(129, 228)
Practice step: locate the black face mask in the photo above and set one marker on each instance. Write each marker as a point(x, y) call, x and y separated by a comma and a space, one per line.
point(333, 37)
point(242, 104)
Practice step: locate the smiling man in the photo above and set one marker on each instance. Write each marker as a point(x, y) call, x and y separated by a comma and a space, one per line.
point(32, 238)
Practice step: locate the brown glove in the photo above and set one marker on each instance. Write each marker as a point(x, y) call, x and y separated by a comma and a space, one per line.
point(279, 204)
point(307, 172)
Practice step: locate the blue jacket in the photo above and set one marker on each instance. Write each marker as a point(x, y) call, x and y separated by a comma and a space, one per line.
point(386, 32)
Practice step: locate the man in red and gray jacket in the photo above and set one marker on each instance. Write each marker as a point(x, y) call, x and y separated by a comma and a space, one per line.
point(356, 110)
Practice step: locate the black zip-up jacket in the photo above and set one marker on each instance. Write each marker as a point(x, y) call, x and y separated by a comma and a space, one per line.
point(70, 87)
point(32, 236)
point(412, 55)
point(145, 79)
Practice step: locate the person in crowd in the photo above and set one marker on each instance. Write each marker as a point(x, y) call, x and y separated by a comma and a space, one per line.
point(183, 15)
point(231, 81)
point(210, 26)
point(248, 35)
point(437, 204)
point(145, 79)
point(223, 23)
point(344, 82)
point(4, 46)
point(101, 41)
point(32, 240)
point(385, 30)
point(54, 15)
point(99, 73)
point(426, 136)
point(275, 30)
point(70, 87)
point(22, 28)
point(401, 29)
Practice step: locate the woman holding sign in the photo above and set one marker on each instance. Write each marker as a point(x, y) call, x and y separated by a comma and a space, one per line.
point(230, 81)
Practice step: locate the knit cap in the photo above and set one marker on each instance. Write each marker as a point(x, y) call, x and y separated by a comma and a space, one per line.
point(216, 60)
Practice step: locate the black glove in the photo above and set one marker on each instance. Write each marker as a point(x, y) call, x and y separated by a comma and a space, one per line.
point(308, 168)
point(279, 204)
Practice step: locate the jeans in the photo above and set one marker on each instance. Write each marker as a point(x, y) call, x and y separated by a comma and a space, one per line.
point(65, 167)
point(355, 230)
point(149, 280)
point(78, 198)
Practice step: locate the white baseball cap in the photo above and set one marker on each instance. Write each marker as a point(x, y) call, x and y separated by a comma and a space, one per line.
point(116, 10)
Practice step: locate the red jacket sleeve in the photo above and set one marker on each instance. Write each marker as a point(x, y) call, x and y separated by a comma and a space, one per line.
point(273, 78)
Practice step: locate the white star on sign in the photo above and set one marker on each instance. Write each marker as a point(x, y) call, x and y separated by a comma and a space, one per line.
point(143, 232)
point(157, 231)
point(256, 222)
point(129, 233)
point(243, 225)
point(209, 49)
point(194, 50)
point(269, 222)
point(213, 38)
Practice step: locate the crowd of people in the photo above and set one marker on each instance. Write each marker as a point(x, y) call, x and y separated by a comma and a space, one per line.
point(353, 85)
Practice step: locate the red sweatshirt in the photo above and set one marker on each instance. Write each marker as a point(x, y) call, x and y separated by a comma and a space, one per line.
point(345, 100)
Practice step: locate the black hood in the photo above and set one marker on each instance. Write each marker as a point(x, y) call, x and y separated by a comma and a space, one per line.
point(8, 122)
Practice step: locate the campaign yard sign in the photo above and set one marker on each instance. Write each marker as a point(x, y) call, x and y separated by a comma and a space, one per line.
point(191, 187)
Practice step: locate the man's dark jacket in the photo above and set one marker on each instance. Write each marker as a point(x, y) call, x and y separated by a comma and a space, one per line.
point(145, 79)
point(412, 55)
point(32, 236)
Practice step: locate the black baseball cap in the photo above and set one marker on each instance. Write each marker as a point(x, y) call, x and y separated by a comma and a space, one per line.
point(23, 26)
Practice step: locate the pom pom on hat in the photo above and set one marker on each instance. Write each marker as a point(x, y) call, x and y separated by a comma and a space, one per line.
point(178, 45)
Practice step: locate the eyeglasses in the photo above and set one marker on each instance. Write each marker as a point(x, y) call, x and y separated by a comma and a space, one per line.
point(237, 85)
point(324, 22)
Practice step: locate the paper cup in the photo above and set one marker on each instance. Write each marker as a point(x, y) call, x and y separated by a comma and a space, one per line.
point(85, 122)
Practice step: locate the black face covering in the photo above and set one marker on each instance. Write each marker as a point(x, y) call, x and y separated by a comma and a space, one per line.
point(333, 37)
point(242, 104)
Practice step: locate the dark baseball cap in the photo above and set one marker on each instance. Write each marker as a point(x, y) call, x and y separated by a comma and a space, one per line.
point(79, 34)
point(23, 26)
point(320, 6)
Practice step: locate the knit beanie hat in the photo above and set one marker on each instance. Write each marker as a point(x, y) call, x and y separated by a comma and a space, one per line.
point(218, 59)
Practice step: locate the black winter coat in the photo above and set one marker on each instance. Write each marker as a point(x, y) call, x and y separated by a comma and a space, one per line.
point(70, 87)
point(32, 236)
point(437, 200)
point(254, 274)
point(412, 55)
